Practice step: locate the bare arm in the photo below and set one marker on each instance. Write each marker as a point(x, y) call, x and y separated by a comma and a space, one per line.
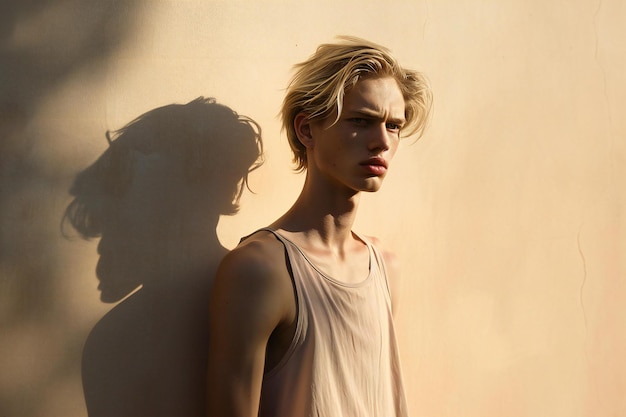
point(250, 298)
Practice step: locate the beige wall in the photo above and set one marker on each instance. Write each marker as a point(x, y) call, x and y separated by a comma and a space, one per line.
point(508, 214)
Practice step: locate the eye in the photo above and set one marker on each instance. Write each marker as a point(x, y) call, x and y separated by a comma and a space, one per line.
point(393, 127)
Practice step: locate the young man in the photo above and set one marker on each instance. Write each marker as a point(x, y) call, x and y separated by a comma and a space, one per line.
point(300, 319)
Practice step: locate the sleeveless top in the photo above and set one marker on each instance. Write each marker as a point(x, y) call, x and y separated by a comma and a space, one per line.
point(343, 359)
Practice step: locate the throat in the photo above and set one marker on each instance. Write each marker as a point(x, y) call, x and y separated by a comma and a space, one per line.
point(352, 267)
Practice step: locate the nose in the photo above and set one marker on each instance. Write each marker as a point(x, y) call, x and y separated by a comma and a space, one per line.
point(380, 139)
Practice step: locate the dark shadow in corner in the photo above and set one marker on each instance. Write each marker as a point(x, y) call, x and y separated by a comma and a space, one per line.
point(154, 198)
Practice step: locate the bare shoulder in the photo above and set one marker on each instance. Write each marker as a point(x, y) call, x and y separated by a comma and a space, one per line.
point(254, 276)
point(260, 256)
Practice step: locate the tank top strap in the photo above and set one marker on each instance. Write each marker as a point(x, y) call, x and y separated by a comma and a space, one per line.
point(291, 248)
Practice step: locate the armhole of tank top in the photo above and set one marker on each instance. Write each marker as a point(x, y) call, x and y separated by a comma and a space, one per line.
point(297, 334)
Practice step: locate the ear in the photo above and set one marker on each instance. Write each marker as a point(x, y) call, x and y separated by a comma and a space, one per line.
point(303, 129)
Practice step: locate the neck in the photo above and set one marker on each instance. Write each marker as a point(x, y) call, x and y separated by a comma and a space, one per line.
point(322, 215)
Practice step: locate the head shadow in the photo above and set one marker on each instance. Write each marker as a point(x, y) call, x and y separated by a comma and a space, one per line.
point(154, 198)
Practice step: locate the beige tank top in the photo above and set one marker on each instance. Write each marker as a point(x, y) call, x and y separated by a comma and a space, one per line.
point(343, 359)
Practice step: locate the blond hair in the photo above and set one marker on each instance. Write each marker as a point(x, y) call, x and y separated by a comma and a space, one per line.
point(320, 83)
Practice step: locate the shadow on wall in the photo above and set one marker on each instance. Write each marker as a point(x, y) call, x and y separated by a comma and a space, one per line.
point(154, 198)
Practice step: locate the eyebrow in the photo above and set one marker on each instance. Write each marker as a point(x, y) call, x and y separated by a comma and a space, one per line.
point(375, 115)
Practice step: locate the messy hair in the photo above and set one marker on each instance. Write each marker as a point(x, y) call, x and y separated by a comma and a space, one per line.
point(320, 83)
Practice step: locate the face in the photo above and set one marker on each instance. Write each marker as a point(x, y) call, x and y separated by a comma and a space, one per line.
point(354, 154)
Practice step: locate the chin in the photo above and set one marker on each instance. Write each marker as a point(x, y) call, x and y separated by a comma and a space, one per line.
point(372, 185)
point(371, 190)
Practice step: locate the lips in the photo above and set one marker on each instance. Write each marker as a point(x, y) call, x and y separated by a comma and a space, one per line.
point(375, 165)
point(377, 160)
